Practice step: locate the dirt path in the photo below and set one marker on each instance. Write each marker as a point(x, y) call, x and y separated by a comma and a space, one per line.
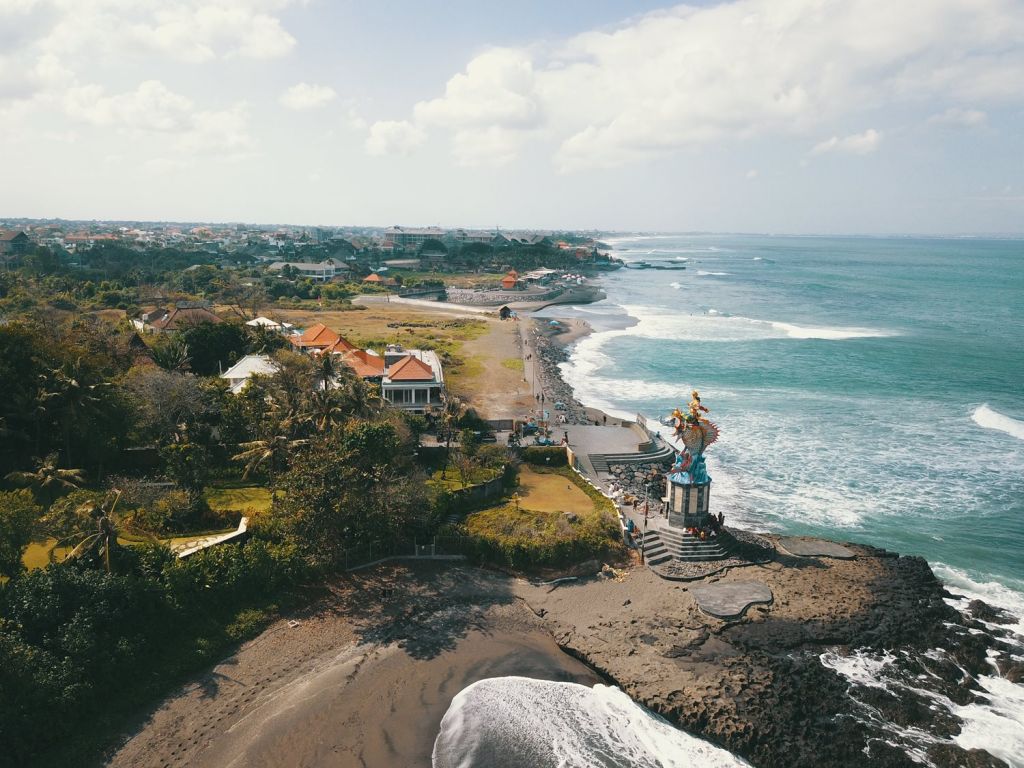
point(497, 389)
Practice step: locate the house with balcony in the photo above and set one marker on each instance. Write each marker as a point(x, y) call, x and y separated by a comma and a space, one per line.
point(413, 379)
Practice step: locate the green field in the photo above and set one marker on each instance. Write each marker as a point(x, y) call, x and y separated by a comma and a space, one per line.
point(239, 497)
point(555, 519)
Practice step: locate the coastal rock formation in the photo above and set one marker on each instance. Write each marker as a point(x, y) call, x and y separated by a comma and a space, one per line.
point(762, 685)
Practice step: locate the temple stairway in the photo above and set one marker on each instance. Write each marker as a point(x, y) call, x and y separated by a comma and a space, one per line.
point(666, 543)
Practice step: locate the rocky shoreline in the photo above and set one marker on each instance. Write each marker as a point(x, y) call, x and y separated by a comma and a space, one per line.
point(758, 685)
point(863, 659)
point(551, 350)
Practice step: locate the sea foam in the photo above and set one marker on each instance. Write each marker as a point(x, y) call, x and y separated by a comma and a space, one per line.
point(994, 722)
point(507, 722)
point(985, 417)
point(657, 323)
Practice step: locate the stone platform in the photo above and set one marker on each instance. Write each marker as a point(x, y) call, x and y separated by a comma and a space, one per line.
point(803, 546)
point(730, 600)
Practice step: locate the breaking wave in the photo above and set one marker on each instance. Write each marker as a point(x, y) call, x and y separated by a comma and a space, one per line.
point(653, 323)
point(985, 417)
point(508, 722)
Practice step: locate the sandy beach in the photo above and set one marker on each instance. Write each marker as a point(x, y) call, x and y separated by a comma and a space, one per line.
point(362, 678)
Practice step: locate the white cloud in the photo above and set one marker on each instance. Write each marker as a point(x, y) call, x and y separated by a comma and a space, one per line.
point(958, 116)
point(733, 70)
point(224, 133)
point(150, 107)
point(307, 96)
point(153, 109)
point(752, 174)
point(393, 137)
point(854, 144)
point(191, 30)
point(497, 88)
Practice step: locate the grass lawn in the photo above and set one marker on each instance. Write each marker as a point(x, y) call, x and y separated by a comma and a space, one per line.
point(514, 363)
point(36, 555)
point(550, 492)
point(558, 521)
point(239, 497)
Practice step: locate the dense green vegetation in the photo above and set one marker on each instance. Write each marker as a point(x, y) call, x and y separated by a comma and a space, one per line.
point(511, 534)
point(111, 443)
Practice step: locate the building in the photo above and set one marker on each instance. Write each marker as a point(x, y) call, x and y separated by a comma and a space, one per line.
point(413, 380)
point(519, 238)
point(465, 236)
point(322, 271)
point(13, 244)
point(238, 375)
point(367, 365)
point(319, 338)
point(409, 237)
point(184, 315)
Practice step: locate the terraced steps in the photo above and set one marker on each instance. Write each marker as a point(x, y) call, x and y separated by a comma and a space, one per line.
point(602, 461)
point(667, 544)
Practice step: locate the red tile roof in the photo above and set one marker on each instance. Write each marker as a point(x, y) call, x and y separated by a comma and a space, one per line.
point(365, 365)
point(373, 277)
point(317, 336)
point(410, 368)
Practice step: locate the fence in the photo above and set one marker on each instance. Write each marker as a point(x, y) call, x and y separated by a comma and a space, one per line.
point(435, 548)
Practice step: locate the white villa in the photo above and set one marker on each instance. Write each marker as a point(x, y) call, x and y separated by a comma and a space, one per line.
point(322, 271)
point(413, 379)
point(270, 325)
point(238, 375)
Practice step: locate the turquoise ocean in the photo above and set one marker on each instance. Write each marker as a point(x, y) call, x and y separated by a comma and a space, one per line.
point(869, 390)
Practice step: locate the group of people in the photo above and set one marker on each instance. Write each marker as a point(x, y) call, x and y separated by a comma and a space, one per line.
point(711, 530)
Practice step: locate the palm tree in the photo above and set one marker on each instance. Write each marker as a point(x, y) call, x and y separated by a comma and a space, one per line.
point(326, 370)
point(104, 540)
point(450, 415)
point(325, 411)
point(48, 481)
point(66, 394)
point(273, 452)
point(171, 355)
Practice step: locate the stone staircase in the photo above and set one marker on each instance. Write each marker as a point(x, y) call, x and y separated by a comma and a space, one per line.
point(666, 544)
point(602, 462)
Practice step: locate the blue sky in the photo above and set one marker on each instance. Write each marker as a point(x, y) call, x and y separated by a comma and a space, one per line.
point(817, 116)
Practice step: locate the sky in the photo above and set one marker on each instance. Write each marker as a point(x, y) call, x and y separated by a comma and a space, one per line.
point(781, 116)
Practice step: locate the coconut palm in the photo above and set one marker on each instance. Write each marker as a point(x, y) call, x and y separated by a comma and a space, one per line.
point(272, 453)
point(67, 395)
point(325, 410)
point(48, 481)
point(96, 525)
point(326, 370)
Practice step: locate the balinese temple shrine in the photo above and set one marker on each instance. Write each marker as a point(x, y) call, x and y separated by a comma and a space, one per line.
point(688, 485)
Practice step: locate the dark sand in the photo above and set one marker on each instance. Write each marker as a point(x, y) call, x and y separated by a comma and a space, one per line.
point(355, 684)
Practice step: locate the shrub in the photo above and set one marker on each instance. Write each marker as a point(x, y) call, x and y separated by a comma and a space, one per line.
point(18, 514)
point(526, 539)
point(545, 455)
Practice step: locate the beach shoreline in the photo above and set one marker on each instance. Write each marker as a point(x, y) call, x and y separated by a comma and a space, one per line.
point(366, 675)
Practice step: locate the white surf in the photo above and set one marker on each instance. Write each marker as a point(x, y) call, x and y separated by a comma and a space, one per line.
point(513, 722)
